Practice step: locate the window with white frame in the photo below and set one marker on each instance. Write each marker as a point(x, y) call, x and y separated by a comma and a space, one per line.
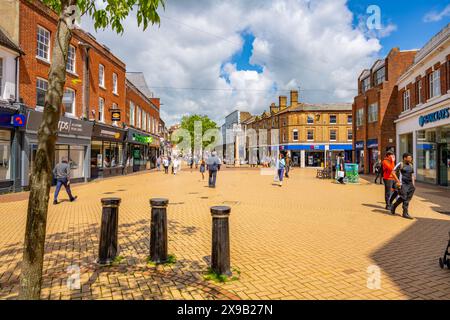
point(310, 135)
point(379, 76)
point(349, 134)
point(149, 123)
point(349, 119)
point(101, 75)
point(419, 92)
point(295, 135)
point(101, 110)
point(373, 113)
point(435, 83)
point(43, 43)
point(333, 119)
point(41, 89)
point(69, 101)
point(359, 117)
point(1, 78)
point(310, 119)
point(406, 100)
point(138, 117)
point(144, 121)
point(333, 135)
point(365, 84)
point(71, 59)
point(132, 116)
point(115, 83)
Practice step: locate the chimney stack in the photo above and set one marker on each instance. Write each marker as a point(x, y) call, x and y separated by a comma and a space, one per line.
point(282, 102)
point(274, 108)
point(294, 98)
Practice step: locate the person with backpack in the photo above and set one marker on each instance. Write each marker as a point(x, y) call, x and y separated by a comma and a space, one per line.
point(388, 165)
point(403, 174)
point(378, 169)
point(213, 163)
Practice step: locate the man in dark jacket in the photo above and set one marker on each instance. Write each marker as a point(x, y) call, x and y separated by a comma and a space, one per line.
point(62, 175)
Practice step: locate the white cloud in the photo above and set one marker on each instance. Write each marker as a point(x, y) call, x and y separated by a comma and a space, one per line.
point(310, 44)
point(434, 16)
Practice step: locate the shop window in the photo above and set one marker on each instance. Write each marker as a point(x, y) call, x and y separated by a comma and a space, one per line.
point(71, 59)
point(69, 101)
point(333, 135)
point(435, 83)
point(5, 155)
point(41, 89)
point(373, 112)
point(426, 156)
point(76, 161)
point(333, 119)
point(43, 44)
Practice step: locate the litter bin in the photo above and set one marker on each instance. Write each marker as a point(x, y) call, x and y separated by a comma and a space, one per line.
point(351, 172)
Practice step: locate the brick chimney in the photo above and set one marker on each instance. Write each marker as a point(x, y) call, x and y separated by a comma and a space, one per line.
point(274, 108)
point(294, 98)
point(282, 102)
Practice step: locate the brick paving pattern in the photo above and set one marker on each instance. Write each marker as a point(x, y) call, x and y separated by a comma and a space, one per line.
point(310, 239)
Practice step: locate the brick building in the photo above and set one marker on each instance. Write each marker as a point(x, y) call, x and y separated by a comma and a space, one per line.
point(376, 107)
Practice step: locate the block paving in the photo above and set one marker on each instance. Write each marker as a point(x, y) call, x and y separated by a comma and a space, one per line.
point(310, 239)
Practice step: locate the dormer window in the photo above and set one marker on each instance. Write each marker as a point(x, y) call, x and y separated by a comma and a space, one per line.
point(365, 84)
point(380, 76)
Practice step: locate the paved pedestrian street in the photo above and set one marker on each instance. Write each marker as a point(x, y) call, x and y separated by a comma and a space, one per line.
point(310, 239)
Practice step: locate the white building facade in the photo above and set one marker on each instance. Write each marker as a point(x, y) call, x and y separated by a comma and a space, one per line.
point(423, 127)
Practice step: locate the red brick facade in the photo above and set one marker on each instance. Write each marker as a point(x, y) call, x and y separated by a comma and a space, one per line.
point(385, 95)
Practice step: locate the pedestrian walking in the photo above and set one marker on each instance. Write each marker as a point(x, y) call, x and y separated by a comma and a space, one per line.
point(166, 165)
point(340, 173)
point(280, 166)
point(405, 179)
point(288, 166)
point(62, 175)
point(378, 169)
point(390, 191)
point(158, 163)
point(202, 168)
point(213, 163)
point(175, 165)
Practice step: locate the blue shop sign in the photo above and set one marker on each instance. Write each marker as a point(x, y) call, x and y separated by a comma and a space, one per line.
point(359, 145)
point(12, 120)
point(434, 116)
point(372, 143)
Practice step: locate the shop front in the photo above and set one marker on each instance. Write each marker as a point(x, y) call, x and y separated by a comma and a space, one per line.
point(306, 155)
point(11, 132)
point(334, 150)
point(137, 151)
point(73, 143)
point(107, 151)
point(359, 155)
point(154, 150)
point(426, 134)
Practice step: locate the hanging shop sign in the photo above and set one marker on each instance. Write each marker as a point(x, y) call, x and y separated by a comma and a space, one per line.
point(434, 116)
point(115, 115)
point(14, 120)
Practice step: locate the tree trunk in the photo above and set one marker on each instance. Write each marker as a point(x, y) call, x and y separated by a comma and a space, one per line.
point(41, 178)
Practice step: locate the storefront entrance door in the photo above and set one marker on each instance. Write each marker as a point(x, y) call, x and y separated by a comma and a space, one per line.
point(444, 164)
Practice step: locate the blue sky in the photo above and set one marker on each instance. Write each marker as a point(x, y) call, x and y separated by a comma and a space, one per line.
point(411, 31)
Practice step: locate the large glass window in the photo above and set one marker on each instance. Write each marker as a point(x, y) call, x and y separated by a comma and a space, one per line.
point(379, 76)
point(406, 143)
point(366, 84)
point(132, 113)
point(41, 89)
point(5, 155)
point(43, 44)
point(359, 117)
point(435, 83)
point(426, 156)
point(69, 101)
point(71, 59)
point(373, 112)
point(76, 160)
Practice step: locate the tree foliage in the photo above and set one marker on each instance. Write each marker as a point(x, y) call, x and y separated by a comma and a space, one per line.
point(188, 123)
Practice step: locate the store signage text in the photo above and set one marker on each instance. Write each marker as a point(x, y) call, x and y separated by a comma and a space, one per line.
point(359, 145)
point(115, 116)
point(141, 138)
point(435, 116)
point(16, 120)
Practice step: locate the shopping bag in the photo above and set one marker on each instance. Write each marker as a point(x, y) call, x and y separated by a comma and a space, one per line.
point(341, 174)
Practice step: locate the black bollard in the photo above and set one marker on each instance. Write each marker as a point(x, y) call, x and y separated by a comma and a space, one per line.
point(108, 249)
point(220, 256)
point(158, 230)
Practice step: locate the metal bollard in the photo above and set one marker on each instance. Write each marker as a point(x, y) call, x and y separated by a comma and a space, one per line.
point(108, 249)
point(158, 230)
point(220, 256)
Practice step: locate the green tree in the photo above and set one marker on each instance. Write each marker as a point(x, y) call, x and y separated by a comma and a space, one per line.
point(188, 123)
point(112, 15)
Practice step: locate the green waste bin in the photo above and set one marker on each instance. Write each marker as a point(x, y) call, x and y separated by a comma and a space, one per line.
point(351, 172)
